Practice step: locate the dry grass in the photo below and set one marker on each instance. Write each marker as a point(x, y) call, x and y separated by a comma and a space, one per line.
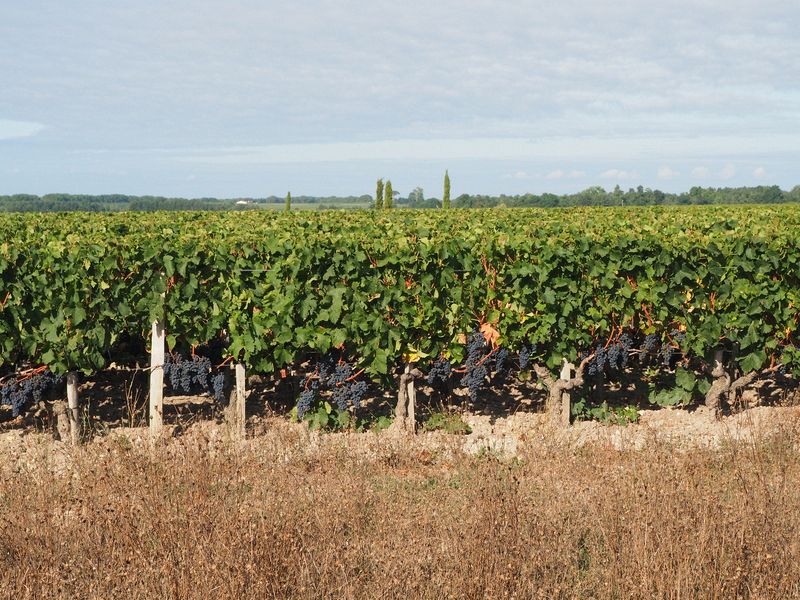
point(594, 523)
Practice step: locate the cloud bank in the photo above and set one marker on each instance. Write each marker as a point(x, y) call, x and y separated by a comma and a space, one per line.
point(489, 88)
point(18, 129)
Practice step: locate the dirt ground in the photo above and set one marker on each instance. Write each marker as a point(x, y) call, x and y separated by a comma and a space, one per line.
point(504, 437)
point(508, 423)
point(676, 506)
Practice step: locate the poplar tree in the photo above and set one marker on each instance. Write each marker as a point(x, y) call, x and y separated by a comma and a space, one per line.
point(288, 200)
point(387, 194)
point(446, 196)
point(379, 194)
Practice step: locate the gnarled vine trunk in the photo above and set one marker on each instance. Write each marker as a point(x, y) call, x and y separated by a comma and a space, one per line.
point(557, 405)
point(723, 385)
point(405, 412)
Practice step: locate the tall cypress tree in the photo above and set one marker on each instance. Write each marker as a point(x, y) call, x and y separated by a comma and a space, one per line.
point(288, 200)
point(446, 196)
point(379, 194)
point(387, 194)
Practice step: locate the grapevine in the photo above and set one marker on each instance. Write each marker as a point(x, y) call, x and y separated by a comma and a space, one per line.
point(19, 393)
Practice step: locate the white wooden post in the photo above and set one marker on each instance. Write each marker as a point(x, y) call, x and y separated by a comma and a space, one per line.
point(411, 418)
point(157, 378)
point(236, 416)
point(566, 409)
point(72, 408)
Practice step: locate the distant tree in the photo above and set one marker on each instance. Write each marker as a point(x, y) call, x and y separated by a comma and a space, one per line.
point(388, 196)
point(549, 200)
point(416, 198)
point(594, 196)
point(379, 194)
point(619, 196)
point(288, 200)
point(446, 196)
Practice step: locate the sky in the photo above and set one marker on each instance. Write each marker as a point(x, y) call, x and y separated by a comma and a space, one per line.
point(321, 97)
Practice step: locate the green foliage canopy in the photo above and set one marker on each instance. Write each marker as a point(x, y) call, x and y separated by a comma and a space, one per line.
point(379, 287)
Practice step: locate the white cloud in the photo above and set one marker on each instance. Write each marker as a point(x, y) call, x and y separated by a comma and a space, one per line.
point(759, 172)
point(728, 171)
point(700, 172)
point(519, 175)
point(618, 174)
point(209, 86)
point(488, 148)
point(18, 129)
point(561, 174)
point(667, 172)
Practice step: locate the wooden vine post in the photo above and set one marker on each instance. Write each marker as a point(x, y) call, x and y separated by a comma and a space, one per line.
point(404, 412)
point(73, 411)
point(566, 407)
point(235, 415)
point(157, 378)
point(412, 401)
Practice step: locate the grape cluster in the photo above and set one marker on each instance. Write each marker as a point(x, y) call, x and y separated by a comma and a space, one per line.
point(475, 372)
point(501, 361)
point(525, 357)
point(218, 386)
point(307, 397)
point(187, 376)
point(350, 393)
point(474, 379)
point(597, 364)
point(666, 354)
point(616, 355)
point(337, 377)
point(18, 394)
point(677, 335)
point(340, 375)
point(650, 343)
point(326, 366)
point(618, 352)
point(439, 373)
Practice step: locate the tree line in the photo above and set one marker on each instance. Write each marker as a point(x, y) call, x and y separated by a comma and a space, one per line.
point(389, 197)
point(639, 196)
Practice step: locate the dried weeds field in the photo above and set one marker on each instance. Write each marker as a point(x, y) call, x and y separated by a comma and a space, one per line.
point(288, 515)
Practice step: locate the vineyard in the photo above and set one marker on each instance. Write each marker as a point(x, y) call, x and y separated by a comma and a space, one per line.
point(691, 304)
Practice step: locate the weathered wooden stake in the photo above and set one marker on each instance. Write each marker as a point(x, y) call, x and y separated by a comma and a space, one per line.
point(404, 417)
point(566, 408)
point(235, 415)
point(72, 408)
point(157, 379)
point(412, 402)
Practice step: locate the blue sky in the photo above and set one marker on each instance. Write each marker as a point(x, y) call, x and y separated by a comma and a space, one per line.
point(252, 98)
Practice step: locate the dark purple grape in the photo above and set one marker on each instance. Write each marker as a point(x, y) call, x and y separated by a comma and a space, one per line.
point(650, 342)
point(439, 373)
point(525, 357)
